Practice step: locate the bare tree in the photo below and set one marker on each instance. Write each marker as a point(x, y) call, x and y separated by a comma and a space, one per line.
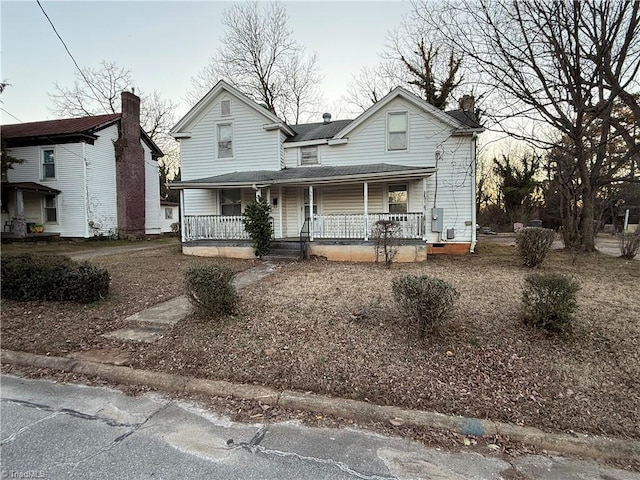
point(96, 91)
point(563, 63)
point(371, 84)
point(410, 59)
point(260, 57)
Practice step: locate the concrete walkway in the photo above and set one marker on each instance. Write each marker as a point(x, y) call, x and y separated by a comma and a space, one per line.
point(150, 324)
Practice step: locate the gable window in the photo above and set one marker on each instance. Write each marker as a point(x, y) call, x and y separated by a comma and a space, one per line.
point(225, 140)
point(48, 163)
point(225, 108)
point(397, 131)
point(398, 199)
point(50, 209)
point(168, 213)
point(231, 202)
point(309, 155)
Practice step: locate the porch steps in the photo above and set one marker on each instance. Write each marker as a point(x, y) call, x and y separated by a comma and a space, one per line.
point(282, 251)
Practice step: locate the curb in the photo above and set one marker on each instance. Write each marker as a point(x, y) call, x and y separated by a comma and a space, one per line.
point(580, 444)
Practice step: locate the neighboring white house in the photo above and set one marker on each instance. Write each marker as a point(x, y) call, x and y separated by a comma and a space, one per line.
point(83, 177)
point(328, 182)
point(169, 216)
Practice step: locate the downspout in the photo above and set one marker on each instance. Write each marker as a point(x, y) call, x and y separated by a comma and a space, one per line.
point(182, 225)
point(311, 225)
point(366, 211)
point(474, 238)
point(86, 190)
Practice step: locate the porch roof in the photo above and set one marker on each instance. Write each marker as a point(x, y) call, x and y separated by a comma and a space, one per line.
point(308, 176)
point(31, 187)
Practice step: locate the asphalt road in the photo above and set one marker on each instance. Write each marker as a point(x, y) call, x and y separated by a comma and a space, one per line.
point(53, 431)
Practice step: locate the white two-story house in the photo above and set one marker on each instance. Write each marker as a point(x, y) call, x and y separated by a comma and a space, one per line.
point(83, 177)
point(328, 182)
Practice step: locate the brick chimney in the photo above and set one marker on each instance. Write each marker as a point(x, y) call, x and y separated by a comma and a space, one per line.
point(130, 171)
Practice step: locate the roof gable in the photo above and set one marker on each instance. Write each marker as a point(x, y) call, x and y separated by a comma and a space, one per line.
point(453, 121)
point(205, 103)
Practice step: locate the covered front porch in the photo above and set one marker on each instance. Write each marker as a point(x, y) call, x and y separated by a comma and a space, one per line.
point(27, 208)
point(311, 203)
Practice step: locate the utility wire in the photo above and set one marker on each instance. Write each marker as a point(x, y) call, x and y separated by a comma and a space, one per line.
point(67, 49)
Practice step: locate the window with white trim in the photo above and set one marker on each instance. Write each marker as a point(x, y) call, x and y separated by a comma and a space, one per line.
point(231, 202)
point(309, 155)
point(48, 163)
point(397, 131)
point(398, 198)
point(168, 213)
point(50, 209)
point(225, 140)
point(225, 108)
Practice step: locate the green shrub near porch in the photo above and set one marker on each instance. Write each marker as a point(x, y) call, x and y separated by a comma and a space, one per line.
point(257, 223)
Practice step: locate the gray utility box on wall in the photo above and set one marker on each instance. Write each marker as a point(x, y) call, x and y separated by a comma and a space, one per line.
point(436, 219)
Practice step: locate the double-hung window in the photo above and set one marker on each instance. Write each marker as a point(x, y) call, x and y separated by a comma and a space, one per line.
point(231, 202)
point(309, 155)
point(398, 199)
point(225, 140)
point(48, 163)
point(50, 209)
point(397, 127)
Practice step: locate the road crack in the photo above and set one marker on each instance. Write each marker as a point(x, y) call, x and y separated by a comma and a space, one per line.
point(254, 446)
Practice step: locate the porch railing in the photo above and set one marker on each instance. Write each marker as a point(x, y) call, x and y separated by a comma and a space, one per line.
point(214, 227)
point(353, 225)
point(347, 226)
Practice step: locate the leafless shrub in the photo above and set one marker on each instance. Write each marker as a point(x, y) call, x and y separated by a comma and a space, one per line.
point(629, 244)
point(534, 244)
point(385, 237)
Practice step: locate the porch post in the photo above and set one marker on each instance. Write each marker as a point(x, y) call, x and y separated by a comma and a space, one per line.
point(183, 227)
point(424, 208)
point(280, 207)
point(366, 211)
point(19, 222)
point(258, 194)
point(311, 213)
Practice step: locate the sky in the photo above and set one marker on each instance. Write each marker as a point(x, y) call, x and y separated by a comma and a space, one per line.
point(165, 44)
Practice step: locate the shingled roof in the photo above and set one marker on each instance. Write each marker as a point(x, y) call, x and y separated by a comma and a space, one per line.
point(65, 130)
point(317, 131)
point(67, 126)
point(302, 175)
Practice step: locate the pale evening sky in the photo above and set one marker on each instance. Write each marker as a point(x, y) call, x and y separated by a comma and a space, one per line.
point(164, 44)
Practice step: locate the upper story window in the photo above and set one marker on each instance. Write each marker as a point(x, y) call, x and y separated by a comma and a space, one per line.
point(309, 155)
point(225, 140)
point(398, 199)
point(225, 108)
point(48, 163)
point(397, 131)
point(231, 202)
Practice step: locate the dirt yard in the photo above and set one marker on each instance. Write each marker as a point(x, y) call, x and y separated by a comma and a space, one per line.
point(332, 328)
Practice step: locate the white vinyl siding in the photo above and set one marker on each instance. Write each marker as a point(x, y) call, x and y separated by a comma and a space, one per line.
point(102, 206)
point(69, 180)
point(254, 148)
point(152, 225)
